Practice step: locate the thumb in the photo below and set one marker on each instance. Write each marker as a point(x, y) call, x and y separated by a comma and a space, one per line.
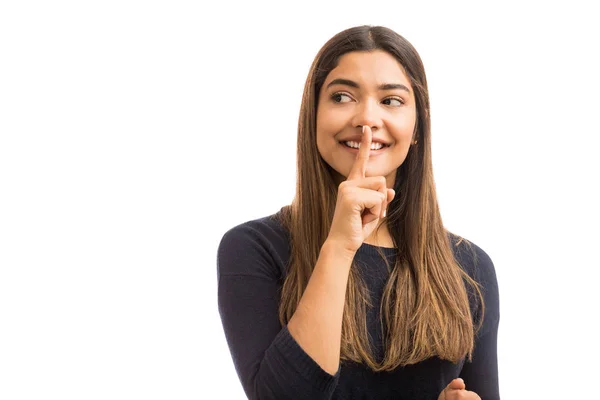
point(456, 384)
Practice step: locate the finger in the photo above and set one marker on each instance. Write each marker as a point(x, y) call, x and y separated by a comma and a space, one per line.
point(371, 182)
point(459, 394)
point(456, 384)
point(375, 183)
point(371, 203)
point(359, 168)
point(451, 391)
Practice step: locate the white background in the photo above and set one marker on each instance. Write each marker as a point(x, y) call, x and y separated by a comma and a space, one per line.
point(134, 134)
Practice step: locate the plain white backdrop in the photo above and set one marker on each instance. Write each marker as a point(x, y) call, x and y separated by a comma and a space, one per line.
point(134, 134)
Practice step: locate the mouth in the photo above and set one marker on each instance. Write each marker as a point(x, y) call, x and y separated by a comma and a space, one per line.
point(376, 148)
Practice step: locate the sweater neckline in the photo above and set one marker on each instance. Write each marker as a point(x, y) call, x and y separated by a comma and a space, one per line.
point(372, 249)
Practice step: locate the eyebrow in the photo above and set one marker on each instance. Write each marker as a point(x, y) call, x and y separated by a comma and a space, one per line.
point(384, 86)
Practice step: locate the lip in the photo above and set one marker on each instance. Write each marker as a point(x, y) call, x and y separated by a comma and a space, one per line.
point(372, 153)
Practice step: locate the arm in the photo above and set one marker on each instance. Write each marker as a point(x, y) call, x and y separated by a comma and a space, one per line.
point(269, 361)
point(481, 375)
point(317, 323)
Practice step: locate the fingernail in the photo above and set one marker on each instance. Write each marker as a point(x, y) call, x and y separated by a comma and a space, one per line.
point(384, 213)
point(363, 128)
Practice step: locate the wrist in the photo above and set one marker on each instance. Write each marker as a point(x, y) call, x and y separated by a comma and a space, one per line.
point(335, 248)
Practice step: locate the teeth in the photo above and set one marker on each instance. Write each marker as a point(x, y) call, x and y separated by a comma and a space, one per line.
point(356, 145)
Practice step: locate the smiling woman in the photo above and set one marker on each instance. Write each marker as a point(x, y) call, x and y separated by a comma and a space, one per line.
point(356, 289)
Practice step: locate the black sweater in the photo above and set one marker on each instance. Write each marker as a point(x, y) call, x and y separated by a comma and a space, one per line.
point(251, 264)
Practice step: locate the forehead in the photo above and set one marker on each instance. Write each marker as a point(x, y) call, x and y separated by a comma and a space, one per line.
point(370, 68)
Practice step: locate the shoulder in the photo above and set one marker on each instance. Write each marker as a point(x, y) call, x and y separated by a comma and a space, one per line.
point(473, 259)
point(257, 247)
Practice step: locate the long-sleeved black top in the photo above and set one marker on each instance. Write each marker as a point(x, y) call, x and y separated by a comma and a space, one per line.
point(251, 265)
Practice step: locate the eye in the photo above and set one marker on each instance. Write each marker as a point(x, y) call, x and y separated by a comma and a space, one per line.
point(336, 97)
point(395, 99)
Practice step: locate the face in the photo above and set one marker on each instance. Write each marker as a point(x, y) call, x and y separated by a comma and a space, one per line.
point(366, 88)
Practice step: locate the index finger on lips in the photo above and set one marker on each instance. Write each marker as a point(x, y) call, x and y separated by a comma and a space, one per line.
point(359, 168)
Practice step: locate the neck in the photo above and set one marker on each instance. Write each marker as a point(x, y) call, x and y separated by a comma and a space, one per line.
point(380, 236)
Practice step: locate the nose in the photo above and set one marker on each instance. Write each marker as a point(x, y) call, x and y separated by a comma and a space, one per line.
point(367, 114)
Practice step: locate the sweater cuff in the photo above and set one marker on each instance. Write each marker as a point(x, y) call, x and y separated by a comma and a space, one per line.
point(303, 363)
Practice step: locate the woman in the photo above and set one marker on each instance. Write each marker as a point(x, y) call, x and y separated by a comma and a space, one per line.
point(356, 290)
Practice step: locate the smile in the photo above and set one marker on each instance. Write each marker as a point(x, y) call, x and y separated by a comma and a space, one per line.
point(372, 152)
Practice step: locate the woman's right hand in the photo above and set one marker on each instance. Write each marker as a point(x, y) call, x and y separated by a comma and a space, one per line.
point(361, 201)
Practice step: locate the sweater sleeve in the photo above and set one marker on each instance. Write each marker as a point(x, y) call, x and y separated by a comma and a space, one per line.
point(269, 362)
point(481, 374)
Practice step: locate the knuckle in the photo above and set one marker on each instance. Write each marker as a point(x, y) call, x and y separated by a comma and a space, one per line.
point(344, 190)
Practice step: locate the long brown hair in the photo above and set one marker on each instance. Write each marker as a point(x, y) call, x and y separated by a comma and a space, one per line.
point(425, 305)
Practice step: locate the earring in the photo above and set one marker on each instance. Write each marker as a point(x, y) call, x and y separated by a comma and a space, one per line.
point(415, 142)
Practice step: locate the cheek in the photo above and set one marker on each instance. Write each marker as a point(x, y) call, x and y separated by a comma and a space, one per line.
point(331, 120)
point(403, 130)
point(319, 143)
point(326, 134)
point(322, 139)
point(322, 125)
